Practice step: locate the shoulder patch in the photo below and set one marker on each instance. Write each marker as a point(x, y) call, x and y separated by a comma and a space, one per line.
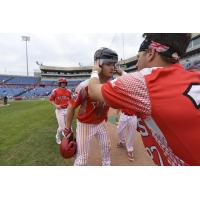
point(193, 93)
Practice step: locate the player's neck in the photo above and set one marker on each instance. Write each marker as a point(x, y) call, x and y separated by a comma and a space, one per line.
point(103, 79)
point(159, 62)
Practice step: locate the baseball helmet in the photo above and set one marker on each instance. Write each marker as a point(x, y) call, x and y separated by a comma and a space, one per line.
point(68, 147)
point(62, 80)
point(106, 55)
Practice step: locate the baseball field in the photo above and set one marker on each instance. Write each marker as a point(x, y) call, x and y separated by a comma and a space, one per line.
point(27, 134)
point(27, 138)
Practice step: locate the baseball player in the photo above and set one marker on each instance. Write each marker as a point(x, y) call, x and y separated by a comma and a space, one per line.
point(92, 115)
point(163, 95)
point(127, 121)
point(5, 100)
point(60, 98)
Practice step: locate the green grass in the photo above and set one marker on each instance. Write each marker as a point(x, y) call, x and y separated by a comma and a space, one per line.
point(27, 135)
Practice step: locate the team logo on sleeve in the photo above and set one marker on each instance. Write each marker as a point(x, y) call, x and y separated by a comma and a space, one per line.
point(193, 93)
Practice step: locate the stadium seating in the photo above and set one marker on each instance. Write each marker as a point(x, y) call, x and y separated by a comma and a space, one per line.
point(38, 92)
point(192, 63)
point(48, 82)
point(29, 87)
point(4, 78)
point(11, 92)
point(73, 83)
point(24, 80)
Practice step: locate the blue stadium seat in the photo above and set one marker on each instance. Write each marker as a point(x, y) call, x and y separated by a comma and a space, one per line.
point(11, 92)
point(4, 78)
point(38, 92)
point(24, 80)
point(25, 87)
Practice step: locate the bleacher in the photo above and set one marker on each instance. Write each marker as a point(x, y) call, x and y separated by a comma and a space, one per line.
point(73, 83)
point(12, 86)
point(29, 87)
point(11, 92)
point(4, 78)
point(48, 82)
point(38, 92)
point(23, 80)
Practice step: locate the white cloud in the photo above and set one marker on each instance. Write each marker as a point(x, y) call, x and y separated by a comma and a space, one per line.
point(60, 49)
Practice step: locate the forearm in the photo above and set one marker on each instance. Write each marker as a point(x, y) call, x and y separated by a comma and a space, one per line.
point(53, 103)
point(94, 87)
point(117, 115)
point(117, 112)
point(70, 116)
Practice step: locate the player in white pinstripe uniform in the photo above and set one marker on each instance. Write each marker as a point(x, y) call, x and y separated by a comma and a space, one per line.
point(127, 121)
point(92, 115)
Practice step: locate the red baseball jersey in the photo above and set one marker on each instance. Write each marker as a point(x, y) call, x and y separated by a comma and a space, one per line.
point(167, 100)
point(61, 96)
point(91, 112)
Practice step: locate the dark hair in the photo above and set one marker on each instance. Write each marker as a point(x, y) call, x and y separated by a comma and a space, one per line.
point(177, 41)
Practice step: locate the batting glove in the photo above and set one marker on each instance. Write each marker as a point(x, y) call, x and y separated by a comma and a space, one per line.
point(67, 132)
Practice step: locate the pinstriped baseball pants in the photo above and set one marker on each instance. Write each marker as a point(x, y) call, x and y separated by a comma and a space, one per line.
point(61, 118)
point(84, 135)
point(129, 122)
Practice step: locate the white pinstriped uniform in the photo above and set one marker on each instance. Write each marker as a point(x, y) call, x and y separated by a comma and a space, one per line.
point(85, 133)
point(129, 122)
point(61, 118)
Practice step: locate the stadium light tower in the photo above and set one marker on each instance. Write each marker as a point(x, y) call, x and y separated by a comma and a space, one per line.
point(26, 39)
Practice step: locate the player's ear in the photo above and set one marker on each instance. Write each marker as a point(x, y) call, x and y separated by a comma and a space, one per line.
point(151, 53)
point(97, 62)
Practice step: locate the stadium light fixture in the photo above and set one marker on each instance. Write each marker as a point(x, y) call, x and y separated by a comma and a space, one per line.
point(26, 39)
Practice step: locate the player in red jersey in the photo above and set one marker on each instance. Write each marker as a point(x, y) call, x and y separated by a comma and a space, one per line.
point(92, 114)
point(60, 98)
point(165, 97)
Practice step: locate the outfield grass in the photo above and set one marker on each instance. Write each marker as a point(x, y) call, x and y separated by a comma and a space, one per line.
point(27, 135)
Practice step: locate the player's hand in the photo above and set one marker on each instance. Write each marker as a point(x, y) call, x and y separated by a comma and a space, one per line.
point(97, 67)
point(118, 70)
point(58, 107)
point(67, 132)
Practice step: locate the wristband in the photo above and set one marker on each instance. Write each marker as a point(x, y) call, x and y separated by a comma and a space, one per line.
point(124, 73)
point(94, 74)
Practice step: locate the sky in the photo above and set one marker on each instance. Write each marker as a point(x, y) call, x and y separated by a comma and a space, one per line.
point(63, 50)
